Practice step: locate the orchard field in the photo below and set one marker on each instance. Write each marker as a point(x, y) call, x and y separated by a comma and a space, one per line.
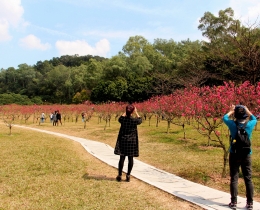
point(182, 133)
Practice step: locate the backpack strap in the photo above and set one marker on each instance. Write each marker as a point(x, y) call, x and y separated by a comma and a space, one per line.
point(243, 127)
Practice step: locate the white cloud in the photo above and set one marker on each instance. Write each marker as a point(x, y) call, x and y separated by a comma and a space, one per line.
point(81, 47)
point(4, 35)
point(32, 42)
point(254, 12)
point(248, 11)
point(11, 13)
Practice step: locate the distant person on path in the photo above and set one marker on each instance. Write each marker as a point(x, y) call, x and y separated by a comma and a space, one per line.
point(54, 118)
point(51, 117)
point(127, 141)
point(236, 159)
point(58, 116)
point(83, 116)
point(42, 117)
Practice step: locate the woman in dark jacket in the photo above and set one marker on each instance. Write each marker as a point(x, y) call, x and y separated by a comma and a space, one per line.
point(127, 140)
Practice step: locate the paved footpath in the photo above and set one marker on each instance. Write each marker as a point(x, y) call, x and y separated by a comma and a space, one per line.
point(200, 195)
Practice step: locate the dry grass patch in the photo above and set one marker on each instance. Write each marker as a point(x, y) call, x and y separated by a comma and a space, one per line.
point(189, 158)
point(41, 171)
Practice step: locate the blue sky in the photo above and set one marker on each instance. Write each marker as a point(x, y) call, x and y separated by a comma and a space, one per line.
point(38, 30)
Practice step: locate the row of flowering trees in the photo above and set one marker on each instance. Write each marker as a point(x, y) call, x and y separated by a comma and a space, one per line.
point(200, 107)
point(203, 108)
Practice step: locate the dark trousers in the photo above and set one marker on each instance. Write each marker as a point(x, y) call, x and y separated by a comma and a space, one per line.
point(235, 161)
point(121, 164)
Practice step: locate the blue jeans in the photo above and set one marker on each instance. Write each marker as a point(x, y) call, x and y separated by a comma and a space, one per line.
point(235, 162)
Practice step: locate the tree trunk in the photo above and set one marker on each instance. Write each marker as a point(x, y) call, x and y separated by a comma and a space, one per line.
point(168, 126)
point(10, 129)
point(225, 163)
point(184, 133)
point(209, 138)
point(105, 125)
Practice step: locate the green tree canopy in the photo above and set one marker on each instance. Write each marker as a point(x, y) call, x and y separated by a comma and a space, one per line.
point(232, 48)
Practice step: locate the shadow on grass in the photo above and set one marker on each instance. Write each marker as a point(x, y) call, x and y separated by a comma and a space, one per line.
point(98, 177)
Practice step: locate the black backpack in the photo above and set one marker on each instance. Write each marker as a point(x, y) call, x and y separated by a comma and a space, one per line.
point(241, 144)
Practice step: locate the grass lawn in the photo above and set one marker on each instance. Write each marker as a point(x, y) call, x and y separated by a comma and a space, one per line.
point(40, 171)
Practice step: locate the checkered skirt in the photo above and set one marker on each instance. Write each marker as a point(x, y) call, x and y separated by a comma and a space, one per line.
point(127, 141)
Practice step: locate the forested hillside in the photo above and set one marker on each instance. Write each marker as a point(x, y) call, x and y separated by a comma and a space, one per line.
point(230, 52)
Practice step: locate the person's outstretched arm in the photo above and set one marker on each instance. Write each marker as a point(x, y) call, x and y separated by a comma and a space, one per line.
point(136, 112)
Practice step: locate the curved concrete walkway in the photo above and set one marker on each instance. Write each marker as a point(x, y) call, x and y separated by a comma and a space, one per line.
point(200, 195)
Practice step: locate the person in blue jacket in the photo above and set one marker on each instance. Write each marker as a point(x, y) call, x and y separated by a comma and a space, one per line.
point(242, 115)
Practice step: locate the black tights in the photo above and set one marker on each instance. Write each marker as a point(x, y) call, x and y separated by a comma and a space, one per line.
point(121, 164)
